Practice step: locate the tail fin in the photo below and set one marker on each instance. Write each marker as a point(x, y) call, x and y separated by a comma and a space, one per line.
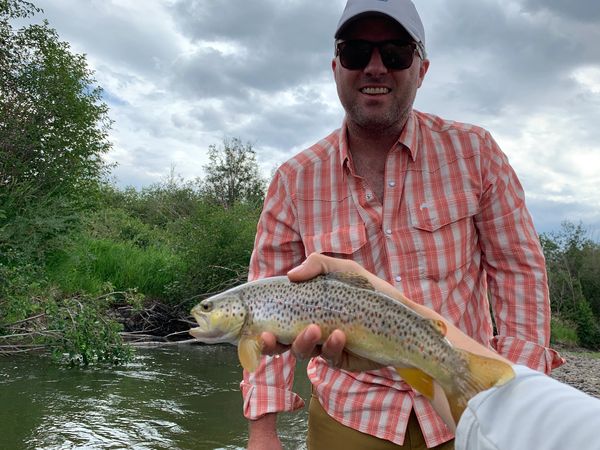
point(483, 373)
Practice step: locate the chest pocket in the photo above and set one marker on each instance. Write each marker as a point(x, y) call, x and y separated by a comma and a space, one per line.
point(341, 243)
point(444, 234)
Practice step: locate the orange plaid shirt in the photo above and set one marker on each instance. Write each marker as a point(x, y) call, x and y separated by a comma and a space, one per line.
point(452, 225)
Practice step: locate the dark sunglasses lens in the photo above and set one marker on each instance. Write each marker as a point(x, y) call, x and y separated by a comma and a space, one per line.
point(397, 56)
point(355, 55)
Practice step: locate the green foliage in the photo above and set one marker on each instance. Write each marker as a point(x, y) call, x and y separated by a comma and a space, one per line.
point(162, 203)
point(589, 274)
point(588, 328)
point(573, 265)
point(21, 283)
point(13, 9)
point(563, 332)
point(53, 132)
point(54, 125)
point(232, 176)
point(81, 333)
point(34, 229)
point(215, 245)
point(89, 263)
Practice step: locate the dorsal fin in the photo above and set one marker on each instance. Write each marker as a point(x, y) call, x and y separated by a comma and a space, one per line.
point(352, 279)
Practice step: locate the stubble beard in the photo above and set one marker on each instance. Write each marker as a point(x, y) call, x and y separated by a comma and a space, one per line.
point(390, 119)
point(376, 122)
point(380, 122)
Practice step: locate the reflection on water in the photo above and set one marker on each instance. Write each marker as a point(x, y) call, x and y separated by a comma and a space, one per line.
point(177, 398)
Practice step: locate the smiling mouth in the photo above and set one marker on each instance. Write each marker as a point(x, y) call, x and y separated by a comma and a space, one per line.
point(375, 90)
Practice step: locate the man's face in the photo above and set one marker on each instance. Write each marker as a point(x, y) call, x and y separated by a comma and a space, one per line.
point(376, 98)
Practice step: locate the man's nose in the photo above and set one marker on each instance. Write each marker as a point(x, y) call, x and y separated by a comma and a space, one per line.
point(375, 66)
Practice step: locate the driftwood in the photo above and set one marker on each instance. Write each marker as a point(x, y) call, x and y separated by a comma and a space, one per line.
point(154, 325)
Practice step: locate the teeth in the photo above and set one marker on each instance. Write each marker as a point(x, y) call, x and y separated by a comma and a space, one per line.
point(375, 90)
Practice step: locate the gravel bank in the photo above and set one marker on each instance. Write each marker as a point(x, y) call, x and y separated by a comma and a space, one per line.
point(582, 370)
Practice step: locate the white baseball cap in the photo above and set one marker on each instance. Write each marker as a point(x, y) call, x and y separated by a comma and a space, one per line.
point(402, 11)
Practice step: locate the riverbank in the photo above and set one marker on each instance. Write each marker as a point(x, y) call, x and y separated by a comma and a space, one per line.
point(582, 370)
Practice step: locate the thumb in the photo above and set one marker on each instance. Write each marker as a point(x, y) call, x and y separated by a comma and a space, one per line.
point(310, 268)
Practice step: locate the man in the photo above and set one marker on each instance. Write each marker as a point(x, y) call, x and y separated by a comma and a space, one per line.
point(429, 205)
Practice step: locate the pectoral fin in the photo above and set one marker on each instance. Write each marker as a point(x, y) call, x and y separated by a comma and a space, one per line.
point(250, 352)
point(418, 380)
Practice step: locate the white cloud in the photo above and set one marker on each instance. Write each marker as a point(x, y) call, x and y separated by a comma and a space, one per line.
point(589, 78)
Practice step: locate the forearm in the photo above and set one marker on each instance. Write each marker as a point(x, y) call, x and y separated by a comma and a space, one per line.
point(262, 433)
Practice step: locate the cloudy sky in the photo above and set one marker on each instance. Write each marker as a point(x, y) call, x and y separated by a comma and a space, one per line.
point(180, 75)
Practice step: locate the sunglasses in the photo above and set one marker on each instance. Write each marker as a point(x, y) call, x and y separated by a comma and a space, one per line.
point(356, 54)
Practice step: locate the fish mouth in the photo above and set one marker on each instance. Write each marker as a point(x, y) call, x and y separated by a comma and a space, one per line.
point(207, 332)
point(207, 336)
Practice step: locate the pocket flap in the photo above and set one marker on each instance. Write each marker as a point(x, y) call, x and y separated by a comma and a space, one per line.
point(345, 240)
point(436, 213)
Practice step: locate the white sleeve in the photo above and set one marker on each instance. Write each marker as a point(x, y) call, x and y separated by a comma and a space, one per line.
point(532, 411)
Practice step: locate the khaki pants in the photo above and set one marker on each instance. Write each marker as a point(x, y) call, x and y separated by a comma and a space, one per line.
point(326, 433)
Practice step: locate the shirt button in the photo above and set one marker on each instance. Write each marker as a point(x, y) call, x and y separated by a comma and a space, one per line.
point(369, 196)
point(391, 183)
point(388, 232)
point(398, 278)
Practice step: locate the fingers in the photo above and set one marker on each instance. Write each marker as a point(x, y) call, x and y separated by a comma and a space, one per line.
point(306, 343)
point(304, 346)
point(332, 350)
point(270, 345)
point(317, 264)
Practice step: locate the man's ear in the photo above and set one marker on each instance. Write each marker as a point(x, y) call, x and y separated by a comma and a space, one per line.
point(422, 71)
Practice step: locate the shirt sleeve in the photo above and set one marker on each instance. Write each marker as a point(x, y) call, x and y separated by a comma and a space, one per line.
point(531, 411)
point(515, 266)
point(277, 249)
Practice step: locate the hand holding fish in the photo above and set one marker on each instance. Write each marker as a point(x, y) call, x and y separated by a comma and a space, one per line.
point(305, 344)
point(339, 310)
point(332, 350)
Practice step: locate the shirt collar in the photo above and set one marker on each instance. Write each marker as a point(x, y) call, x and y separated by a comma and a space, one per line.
point(408, 139)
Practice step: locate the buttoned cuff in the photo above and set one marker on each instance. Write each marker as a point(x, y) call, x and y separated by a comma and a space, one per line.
point(530, 354)
point(261, 400)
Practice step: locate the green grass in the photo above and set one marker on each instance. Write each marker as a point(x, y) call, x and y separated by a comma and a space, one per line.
point(90, 263)
point(562, 332)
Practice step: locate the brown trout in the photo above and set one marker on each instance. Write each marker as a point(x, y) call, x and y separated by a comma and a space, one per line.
point(377, 327)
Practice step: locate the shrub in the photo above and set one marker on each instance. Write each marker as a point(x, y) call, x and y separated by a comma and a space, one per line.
point(588, 330)
point(563, 332)
point(82, 334)
point(215, 245)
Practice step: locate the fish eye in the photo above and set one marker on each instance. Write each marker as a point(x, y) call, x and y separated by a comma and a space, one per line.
point(206, 306)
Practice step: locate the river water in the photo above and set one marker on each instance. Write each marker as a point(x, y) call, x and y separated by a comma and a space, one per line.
point(184, 397)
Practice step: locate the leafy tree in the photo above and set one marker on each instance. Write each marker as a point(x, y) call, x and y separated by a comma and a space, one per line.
point(233, 175)
point(573, 261)
point(564, 261)
point(53, 132)
point(53, 124)
point(588, 328)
